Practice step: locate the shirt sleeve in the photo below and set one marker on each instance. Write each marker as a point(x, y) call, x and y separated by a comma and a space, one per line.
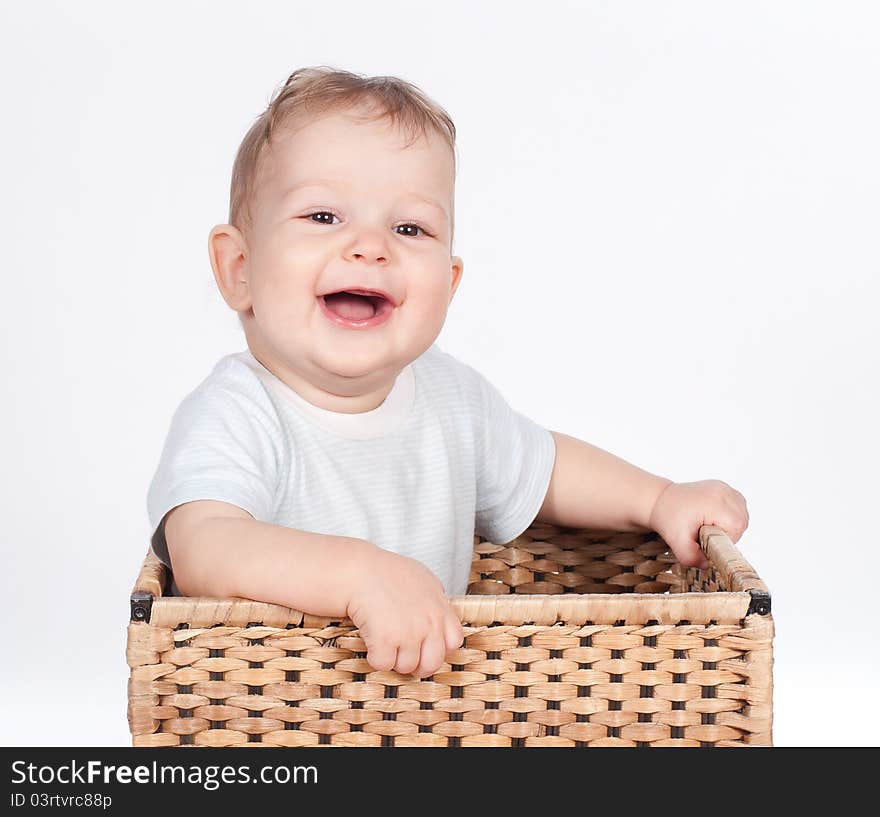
point(218, 447)
point(515, 458)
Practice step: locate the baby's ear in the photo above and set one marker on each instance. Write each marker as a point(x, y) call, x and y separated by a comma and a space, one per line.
point(228, 253)
point(457, 269)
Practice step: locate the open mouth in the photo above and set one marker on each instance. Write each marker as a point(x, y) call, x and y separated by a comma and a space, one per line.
point(352, 308)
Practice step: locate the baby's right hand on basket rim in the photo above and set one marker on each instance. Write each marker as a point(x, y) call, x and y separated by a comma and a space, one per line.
point(403, 615)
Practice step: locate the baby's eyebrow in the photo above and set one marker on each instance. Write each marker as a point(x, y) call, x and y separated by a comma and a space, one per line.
point(311, 183)
point(330, 183)
point(430, 203)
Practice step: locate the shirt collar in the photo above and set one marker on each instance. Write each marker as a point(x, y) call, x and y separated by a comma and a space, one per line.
point(380, 421)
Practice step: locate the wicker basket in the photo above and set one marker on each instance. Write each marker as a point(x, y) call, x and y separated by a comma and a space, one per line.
point(572, 638)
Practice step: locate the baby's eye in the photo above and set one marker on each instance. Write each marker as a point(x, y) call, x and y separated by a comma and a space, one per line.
point(414, 227)
point(322, 213)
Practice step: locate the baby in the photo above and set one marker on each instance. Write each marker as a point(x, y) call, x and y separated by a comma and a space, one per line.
point(341, 464)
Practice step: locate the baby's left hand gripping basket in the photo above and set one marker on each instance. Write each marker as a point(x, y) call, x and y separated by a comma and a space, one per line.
point(572, 638)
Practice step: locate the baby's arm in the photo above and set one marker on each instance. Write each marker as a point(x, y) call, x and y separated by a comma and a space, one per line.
point(219, 550)
point(590, 488)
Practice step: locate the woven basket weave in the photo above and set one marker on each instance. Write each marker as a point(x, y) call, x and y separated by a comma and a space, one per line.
point(572, 638)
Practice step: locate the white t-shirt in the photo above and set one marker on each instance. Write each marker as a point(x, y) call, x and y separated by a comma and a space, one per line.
point(444, 456)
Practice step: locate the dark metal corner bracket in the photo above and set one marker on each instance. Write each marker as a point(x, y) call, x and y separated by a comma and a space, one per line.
point(760, 603)
point(141, 606)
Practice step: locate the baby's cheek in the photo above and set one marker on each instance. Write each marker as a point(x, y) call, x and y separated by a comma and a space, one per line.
point(427, 312)
point(280, 313)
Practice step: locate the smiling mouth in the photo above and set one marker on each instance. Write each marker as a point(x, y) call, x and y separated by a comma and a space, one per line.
point(353, 306)
point(352, 310)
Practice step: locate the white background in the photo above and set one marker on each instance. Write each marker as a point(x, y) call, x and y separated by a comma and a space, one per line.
point(668, 214)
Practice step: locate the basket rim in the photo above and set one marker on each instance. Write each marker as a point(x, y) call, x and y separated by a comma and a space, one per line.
point(748, 595)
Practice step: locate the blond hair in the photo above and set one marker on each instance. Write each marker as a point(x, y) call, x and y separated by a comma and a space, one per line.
point(321, 89)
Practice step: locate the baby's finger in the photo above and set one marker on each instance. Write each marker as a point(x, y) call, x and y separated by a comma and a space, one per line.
point(382, 656)
point(699, 560)
point(407, 657)
point(432, 654)
point(453, 631)
point(689, 553)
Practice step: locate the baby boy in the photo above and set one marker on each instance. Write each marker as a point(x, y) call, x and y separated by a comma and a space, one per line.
point(341, 464)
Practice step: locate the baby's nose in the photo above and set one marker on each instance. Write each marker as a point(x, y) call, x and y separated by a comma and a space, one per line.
point(370, 244)
point(360, 256)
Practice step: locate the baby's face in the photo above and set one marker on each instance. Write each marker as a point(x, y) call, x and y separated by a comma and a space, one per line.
point(344, 205)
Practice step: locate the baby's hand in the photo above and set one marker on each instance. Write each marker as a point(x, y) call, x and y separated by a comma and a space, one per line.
point(684, 507)
point(403, 615)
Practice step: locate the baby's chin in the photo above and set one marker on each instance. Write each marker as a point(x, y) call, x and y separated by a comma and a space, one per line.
point(364, 363)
